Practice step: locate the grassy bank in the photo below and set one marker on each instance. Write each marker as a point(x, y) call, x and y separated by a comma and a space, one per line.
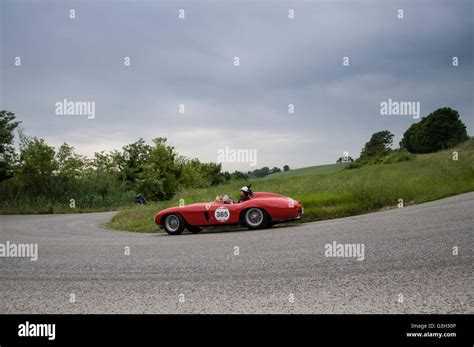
point(332, 193)
point(81, 204)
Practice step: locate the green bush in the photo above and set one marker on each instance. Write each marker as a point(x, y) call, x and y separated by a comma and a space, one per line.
point(389, 157)
point(398, 156)
point(441, 129)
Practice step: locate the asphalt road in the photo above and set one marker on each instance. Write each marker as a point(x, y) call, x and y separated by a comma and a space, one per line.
point(408, 266)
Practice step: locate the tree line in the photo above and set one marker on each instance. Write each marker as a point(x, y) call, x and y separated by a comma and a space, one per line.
point(36, 171)
point(265, 171)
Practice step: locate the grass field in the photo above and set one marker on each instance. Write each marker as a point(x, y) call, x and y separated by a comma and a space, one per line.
point(339, 193)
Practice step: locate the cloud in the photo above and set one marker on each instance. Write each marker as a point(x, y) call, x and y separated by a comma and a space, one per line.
point(190, 62)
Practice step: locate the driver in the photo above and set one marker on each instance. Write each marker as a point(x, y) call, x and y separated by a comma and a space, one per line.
point(245, 194)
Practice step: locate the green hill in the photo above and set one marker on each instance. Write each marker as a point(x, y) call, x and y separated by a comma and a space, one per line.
point(340, 192)
point(310, 170)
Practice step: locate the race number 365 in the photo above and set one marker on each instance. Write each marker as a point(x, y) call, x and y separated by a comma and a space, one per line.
point(222, 214)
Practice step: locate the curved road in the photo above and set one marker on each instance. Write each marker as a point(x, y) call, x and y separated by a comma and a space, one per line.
point(408, 266)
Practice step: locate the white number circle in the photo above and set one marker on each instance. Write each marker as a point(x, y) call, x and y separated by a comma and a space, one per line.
point(222, 214)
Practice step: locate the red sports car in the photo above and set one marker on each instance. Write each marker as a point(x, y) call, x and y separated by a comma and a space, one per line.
point(260, 211)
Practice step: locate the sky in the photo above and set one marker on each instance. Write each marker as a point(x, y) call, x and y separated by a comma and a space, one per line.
point(191, 62)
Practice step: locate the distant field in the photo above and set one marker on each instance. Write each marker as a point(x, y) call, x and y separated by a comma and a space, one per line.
point(311, 170)
point(341, 192)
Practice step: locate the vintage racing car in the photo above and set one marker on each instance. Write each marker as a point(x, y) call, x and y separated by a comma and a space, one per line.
point(261, 211)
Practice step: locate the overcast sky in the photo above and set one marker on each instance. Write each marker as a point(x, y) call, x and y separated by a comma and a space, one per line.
point(191, 61)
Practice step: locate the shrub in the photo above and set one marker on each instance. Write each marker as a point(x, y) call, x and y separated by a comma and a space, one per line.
point(441, 129)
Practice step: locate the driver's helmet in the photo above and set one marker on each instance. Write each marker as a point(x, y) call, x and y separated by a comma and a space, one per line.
point(246, 190)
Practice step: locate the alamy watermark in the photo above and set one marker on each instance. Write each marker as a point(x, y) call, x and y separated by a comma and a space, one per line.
point(345, 250)
point(75, 108)
point(28, 329)
point(240, 155)
point(19, 250)
point(400, 108)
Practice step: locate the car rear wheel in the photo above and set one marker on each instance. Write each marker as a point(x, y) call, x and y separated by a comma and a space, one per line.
point(255, 218)
point(174, 224)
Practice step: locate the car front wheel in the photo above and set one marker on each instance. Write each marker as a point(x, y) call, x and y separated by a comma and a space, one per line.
point(174, 224)
point(255, 218)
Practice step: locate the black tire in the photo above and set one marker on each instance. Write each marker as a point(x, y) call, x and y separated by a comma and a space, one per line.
point(194, 230)
point(255, 218)
point(174, 224)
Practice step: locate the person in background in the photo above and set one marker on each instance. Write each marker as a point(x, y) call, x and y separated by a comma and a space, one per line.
point(140, 199)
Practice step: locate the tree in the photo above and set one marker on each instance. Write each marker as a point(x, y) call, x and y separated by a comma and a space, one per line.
point(37, 166)
point(195, 174)
point(190, 175)
point(136, 154)
point(286, 168)
point(238, 175)
point(70, 164)
point(212, 173)
point(159, 173)
point(441, 129)
point(275, 170)
point(7, 150)
point(379, 144)
point(347, 159)
point(103, 162)
point(264, 171)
